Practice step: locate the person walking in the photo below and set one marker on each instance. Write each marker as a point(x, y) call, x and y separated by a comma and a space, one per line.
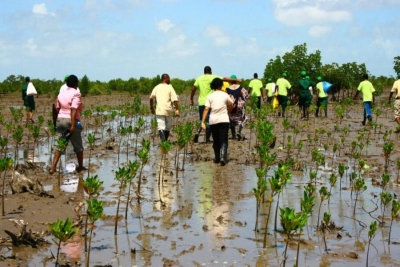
point(396, 90)
point(282, 87)
point(367, 90)
point(29, 101)
point(165, 96)
point(305, 96)
point(270, 87)
point(322, 97)
point(219, 104)
point(203, 84)
point(237, 117)
point(255, 89)
point(69, 107)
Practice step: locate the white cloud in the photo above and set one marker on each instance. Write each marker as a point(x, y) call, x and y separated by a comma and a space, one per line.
point(311, 15)
point(41, 9)
point(219, 37)
point(164, 25)
point(317, 31)
point(31, 45)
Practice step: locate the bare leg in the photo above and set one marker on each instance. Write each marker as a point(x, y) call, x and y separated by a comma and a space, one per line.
point(79, 156)
point(56, 158)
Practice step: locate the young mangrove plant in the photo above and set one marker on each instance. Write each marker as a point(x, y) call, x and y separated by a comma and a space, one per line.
point(385, 179)
point(394, 213)
point(132, 170)
point(387, 150)
point(144, 158)
point(259, 194)
point(165, 147)
point(92, 187)
point(283, 175)
point(324, 194)
point(91, 139)
point(325, 225)
point(62, 231)
point(371, 233)
point(122, 176)
point(386, 198)
point(291, 223)
point(398, 170)
point(94, 212)
point(332, 183)
point(5, 165)
point(4, 144)
point(359, 187)
point(17, 137)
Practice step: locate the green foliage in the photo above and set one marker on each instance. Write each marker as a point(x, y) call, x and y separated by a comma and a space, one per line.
point(95, 209)
point(92, 185)
point(291, 221)
point(84, 85)
point(63, 230)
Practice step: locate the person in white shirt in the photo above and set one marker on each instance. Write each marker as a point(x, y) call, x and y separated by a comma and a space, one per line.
point(65, 87)
point(165, 96)
point(221, 105)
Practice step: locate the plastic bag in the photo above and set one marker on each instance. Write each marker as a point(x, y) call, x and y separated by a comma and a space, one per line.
point(275, 102)
point(326, 86)
point(31, 90)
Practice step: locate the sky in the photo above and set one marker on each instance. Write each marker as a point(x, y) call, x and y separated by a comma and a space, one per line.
point(111, 39)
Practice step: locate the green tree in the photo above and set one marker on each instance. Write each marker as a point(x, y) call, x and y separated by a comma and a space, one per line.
point(84, 85)
point(396, 63)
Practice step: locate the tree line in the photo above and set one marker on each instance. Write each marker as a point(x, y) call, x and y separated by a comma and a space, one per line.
point(345, 77)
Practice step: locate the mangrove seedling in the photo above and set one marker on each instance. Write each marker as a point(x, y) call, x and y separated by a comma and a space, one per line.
point(324, 194)
point(17, 137)
point(332, 182)
point(371, 233)
point(259, 193)
point(144, 158)
point(291, 223)
point(283, 175)
point(165, 147)
point(387, 150)
point(92, 187)
point(5, 165)
point(94, 212)
point(325, 225)
point(4, 144)
point(359, 187)
point(91, 139)
point(384, 181)
point(386, 198)
point(132, 170)
point(394, 213)
point(121, 175)
point(62, 231)
point(398, 170)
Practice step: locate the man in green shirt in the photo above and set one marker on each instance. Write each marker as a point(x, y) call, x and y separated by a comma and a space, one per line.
point(305, 95)
point(367, 89)
point(255, 88)
point(270, 87)
point(282, 87)
point(322, 98)
point(203, 84)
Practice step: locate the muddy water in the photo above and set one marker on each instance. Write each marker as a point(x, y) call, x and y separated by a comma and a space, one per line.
point(209, 215)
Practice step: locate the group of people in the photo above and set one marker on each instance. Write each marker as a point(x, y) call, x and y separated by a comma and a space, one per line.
point(221, 107)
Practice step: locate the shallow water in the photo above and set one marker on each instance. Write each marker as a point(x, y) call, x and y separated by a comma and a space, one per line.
point(209, 218)
point(209, 215)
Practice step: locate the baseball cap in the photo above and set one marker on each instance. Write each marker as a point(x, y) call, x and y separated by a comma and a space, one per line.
point(233, 76)
point(303, 73)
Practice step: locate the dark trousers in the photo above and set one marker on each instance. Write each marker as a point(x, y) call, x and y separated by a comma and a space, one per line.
point(219, 133)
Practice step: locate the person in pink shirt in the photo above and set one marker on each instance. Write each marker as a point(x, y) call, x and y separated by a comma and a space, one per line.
point(69, 107)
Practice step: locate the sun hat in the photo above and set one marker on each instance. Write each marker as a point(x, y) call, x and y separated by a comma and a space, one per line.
point(233, 76)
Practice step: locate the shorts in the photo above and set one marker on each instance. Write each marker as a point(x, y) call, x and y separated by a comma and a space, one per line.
point(397, 108)
point(64, 124)
point(282, 100)
point(29, 103)
point(164, 123)
point(322, 101)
